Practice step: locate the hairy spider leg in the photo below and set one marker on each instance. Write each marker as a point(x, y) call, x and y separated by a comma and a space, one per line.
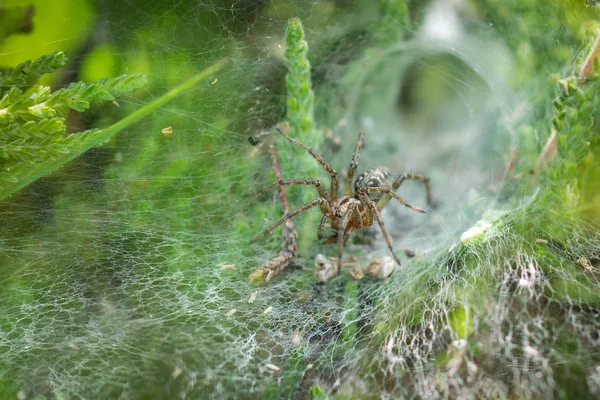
point(401, 178)
point(353, 166)
point(414, 177)
point(291, 214)
point(394, 195)
point(358, 220)
point(342, 235)
point(334, 175)
point(277, 171)
point(364, 198)
point(317, 183)
point(321, 230)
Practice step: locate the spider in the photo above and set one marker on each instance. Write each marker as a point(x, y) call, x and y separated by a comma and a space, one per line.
point(358, 208)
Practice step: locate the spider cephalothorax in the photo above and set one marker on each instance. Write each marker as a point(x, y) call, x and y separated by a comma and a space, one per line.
point(361, 204)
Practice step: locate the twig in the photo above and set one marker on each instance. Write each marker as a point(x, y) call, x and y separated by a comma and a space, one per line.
point(289, 250)
point(548, 152)
point(279, 176)
point(588, 65)
point(511, 165)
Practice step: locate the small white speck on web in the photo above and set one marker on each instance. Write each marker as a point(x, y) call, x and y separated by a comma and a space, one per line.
point(273, 367)
point(176, 372)
point(227, 266)
point(253, 297)
point(296, 338)
point(73, 346)
point(230, 312)
point(531, 351)
point(268, 310)
point(21, 395)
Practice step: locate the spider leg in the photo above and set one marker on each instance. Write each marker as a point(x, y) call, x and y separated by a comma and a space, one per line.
point(340, 240)
point(389, 192)
point(342, 236)
point(358, 224)
point(411, 177)
point(353, 166)
point(291, 214)
point(364, 198)
point(317, 183)
point(334, 175)
point(320, 231)
point(414, 177)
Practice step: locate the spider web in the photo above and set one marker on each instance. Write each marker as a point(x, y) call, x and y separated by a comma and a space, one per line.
point(125, 275)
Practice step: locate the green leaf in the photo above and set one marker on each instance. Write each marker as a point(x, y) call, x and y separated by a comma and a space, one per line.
point(32, 126)
point(316, 393)
point(69, 147)
point(27, 73)
point(300, 96)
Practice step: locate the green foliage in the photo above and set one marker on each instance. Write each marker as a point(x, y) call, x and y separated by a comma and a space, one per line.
point(574, 173)
point(27, 73)
point(574, 121)
point(395, 23)
point(300, 115)
point(33, 131)
point(460, 321)
point(540, 242)
point(300, 97)
point(316, 393)
point(543, 36)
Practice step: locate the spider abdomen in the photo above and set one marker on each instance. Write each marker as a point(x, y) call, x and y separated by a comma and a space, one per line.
point(375, 177)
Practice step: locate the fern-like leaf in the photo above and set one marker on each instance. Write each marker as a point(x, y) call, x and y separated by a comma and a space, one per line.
point(33, 137)
point(26, 74)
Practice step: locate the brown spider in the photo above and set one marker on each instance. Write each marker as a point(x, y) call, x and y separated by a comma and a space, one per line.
point(358, 208)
